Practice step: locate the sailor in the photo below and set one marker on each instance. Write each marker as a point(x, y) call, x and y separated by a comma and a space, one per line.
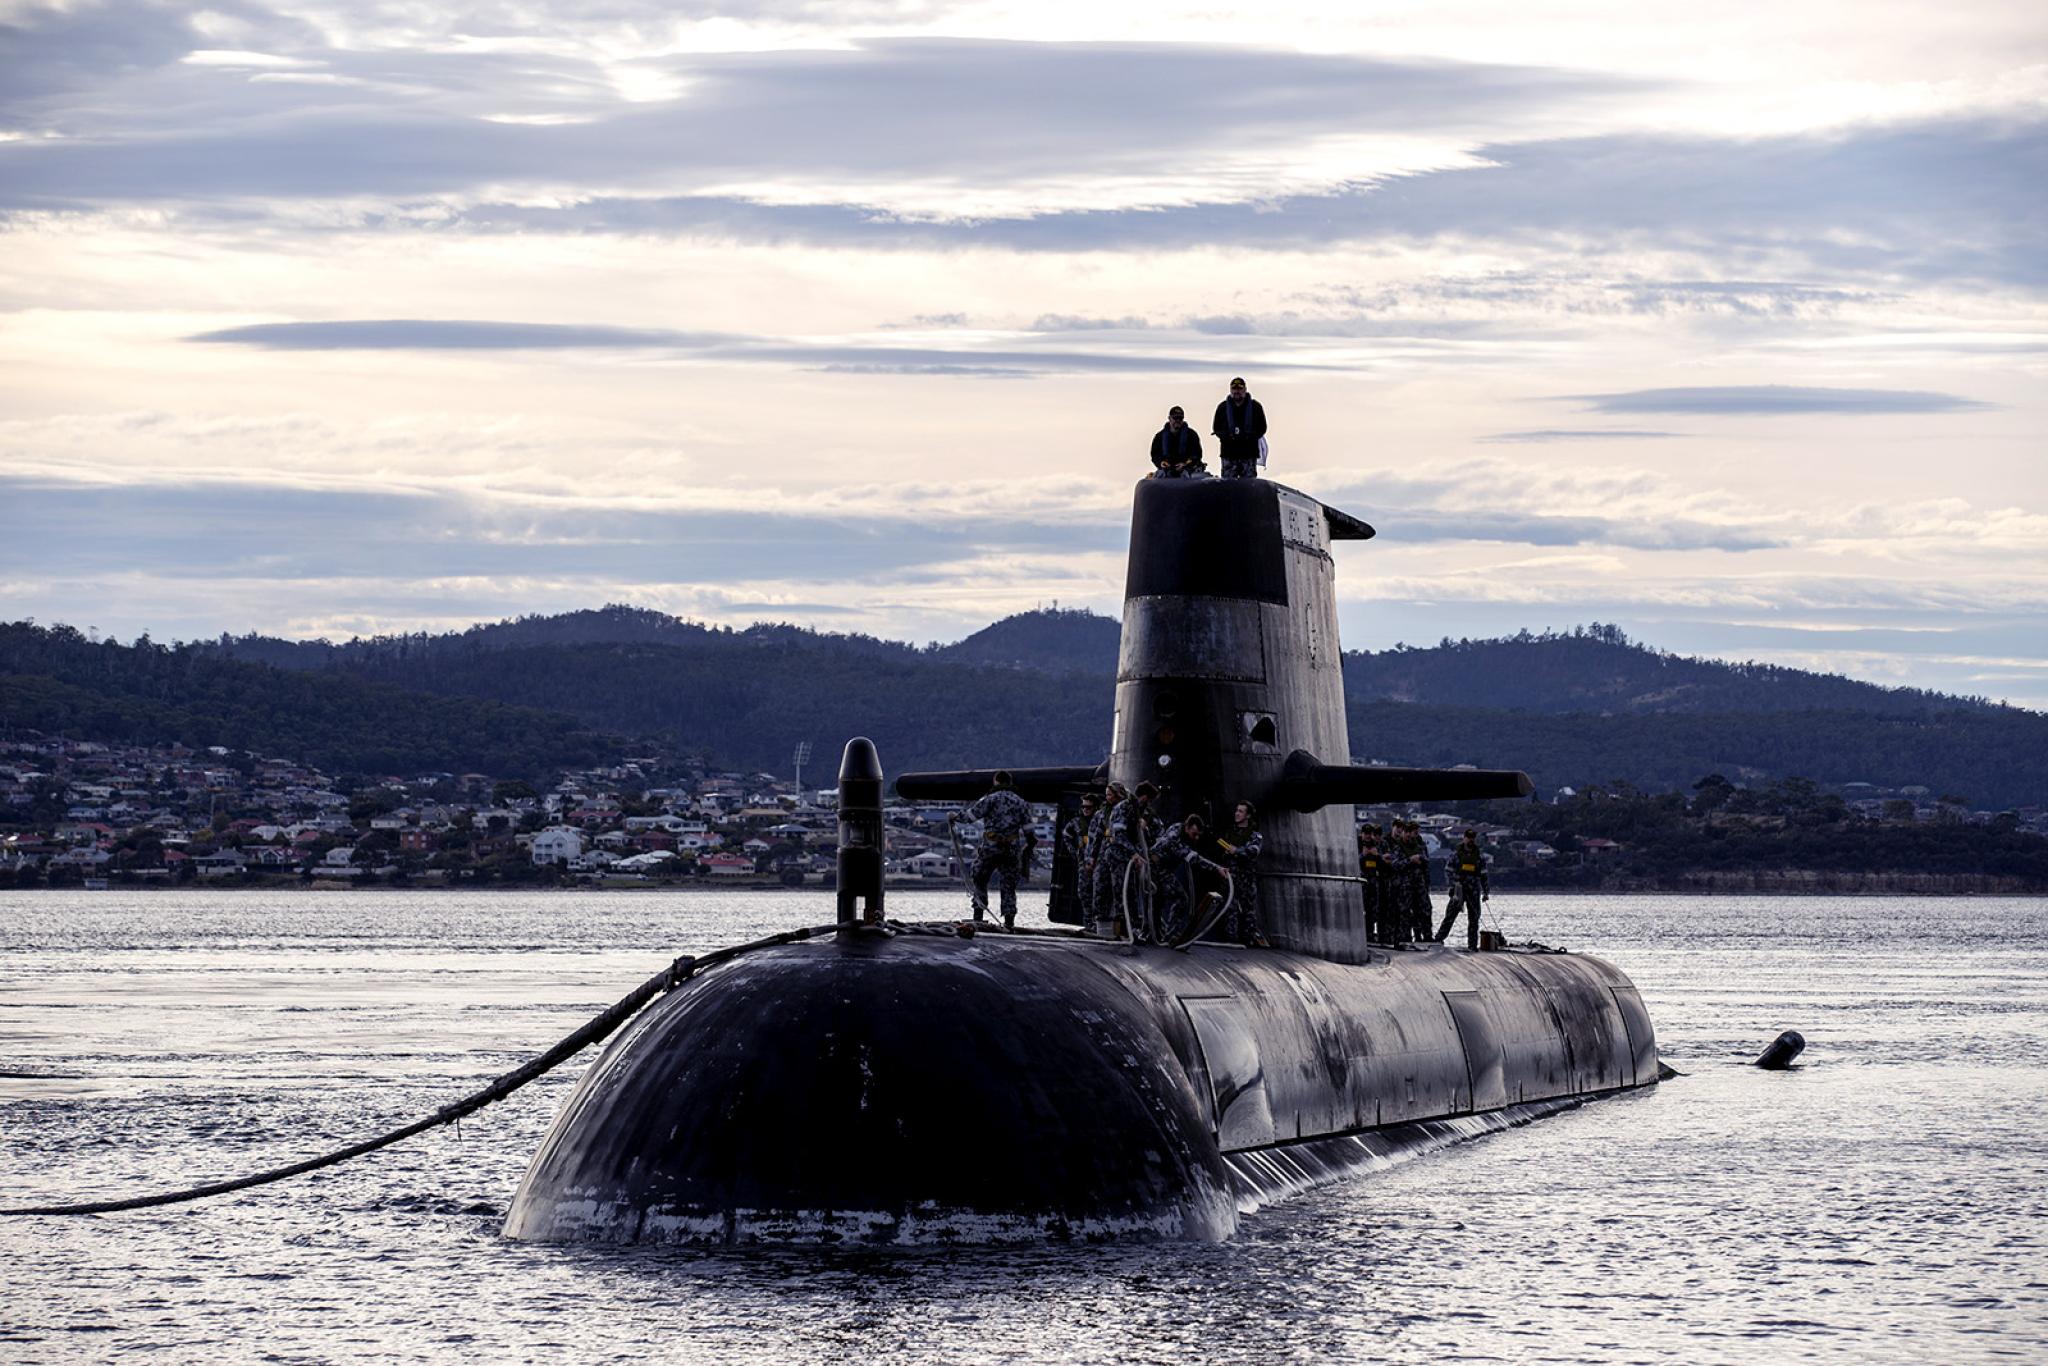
point(1177, 449)
point(1467, 876)
point(1003, 815)
point(1130, 835)
point(1103, 906)
point(1241, 845)
point(1372, 878)
point(1412, 857)
point(1240, 426)
point(1175, 856)
point(1395, 899)
point(1074, 836)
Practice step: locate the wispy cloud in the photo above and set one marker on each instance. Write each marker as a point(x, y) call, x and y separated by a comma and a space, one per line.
point(1774, 400)
point(414, 334)
point(1542, 436)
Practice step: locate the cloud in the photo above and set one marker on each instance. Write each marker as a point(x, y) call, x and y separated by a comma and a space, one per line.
point(1069, 322)
point(425, 334)
point(200, 531)
point(1022, 131)
point(1772, 400)
point(1546, 435)
point(1941, 201)
point(1473, 524)
point(430, 334)
point(54, 50)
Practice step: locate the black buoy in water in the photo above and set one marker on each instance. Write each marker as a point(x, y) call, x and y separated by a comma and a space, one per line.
point(1782, 1051)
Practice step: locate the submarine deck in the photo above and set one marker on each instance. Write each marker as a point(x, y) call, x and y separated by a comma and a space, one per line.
point(920, 1078)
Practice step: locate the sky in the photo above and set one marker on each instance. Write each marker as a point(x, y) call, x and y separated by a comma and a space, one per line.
point(1723, 323)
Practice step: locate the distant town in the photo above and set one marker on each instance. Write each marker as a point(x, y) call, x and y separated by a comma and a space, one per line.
point(83, 814)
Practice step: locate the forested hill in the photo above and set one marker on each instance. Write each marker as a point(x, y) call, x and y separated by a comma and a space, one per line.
point(1591, 669)
point(56, 680)
point(611, 625)
point(1049, 640)
point(1037, 688)
point(1598, 669)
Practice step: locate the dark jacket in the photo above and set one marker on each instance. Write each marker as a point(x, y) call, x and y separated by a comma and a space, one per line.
point(1167, 449)
point(1249, 423)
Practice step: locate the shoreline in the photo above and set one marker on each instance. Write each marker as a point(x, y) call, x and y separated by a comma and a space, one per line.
point(1791, 885)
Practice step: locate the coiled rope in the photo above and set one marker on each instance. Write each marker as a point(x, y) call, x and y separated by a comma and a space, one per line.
point(1130, 935)
point(627, 1006)
point(1230, 895)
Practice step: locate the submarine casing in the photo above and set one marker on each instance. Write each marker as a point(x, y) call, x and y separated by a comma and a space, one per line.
point(932, 1088)
point(907, 1088)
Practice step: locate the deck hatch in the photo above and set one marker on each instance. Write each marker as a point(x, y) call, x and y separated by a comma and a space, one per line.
point(1237, 1080)
point(1485, 1071)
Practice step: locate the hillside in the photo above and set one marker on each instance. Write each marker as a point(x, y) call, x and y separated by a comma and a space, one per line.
point(1598, 669)
point(54, 679)
point(1036, 688)
point(1050, 640)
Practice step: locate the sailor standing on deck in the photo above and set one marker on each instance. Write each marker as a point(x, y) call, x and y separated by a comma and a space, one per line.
point(1101, 904)
point(1240, 426)
point(1372, 879)
point(1130, 835)
point(1468, 888)
point(1413, 857)
point(1175, 855)
point(1003, 815)
point(1241, 845)
point(1074, 841)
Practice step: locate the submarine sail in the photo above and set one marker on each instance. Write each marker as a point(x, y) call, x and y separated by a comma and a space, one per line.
point(907, 1087)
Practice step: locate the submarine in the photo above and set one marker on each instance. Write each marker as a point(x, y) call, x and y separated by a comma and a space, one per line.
point(894, 1084)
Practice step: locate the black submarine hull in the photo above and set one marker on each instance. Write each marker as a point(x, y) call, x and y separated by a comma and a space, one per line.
point(927, 1088)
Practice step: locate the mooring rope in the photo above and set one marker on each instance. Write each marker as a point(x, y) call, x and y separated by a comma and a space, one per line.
point(627, 1006)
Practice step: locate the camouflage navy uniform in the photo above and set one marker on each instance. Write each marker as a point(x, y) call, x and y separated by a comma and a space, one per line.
point(1416, 909)
point(1381, 925)
point(1003, 815)
point(1074, 841)
point(1467, 876)
point(1241, 847)
point(1126, 839)
point(1174, 861)
point(1074, 838)
point(1095, 890)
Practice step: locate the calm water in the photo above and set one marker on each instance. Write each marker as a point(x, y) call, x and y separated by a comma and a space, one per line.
point(1883, 1202)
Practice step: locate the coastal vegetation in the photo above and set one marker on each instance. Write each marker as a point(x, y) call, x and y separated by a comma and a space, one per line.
point(526, 697)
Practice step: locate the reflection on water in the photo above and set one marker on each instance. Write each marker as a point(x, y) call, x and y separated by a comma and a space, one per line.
point(1882, 1200)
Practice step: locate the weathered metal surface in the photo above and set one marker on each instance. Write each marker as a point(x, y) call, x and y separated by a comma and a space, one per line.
point(925, 1088)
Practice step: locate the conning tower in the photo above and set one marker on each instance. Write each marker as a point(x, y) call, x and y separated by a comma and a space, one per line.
point(1230, 686)
point(1230, 666)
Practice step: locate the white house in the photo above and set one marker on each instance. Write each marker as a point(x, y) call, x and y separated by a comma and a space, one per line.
point(931, 863)
point(557, 844)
